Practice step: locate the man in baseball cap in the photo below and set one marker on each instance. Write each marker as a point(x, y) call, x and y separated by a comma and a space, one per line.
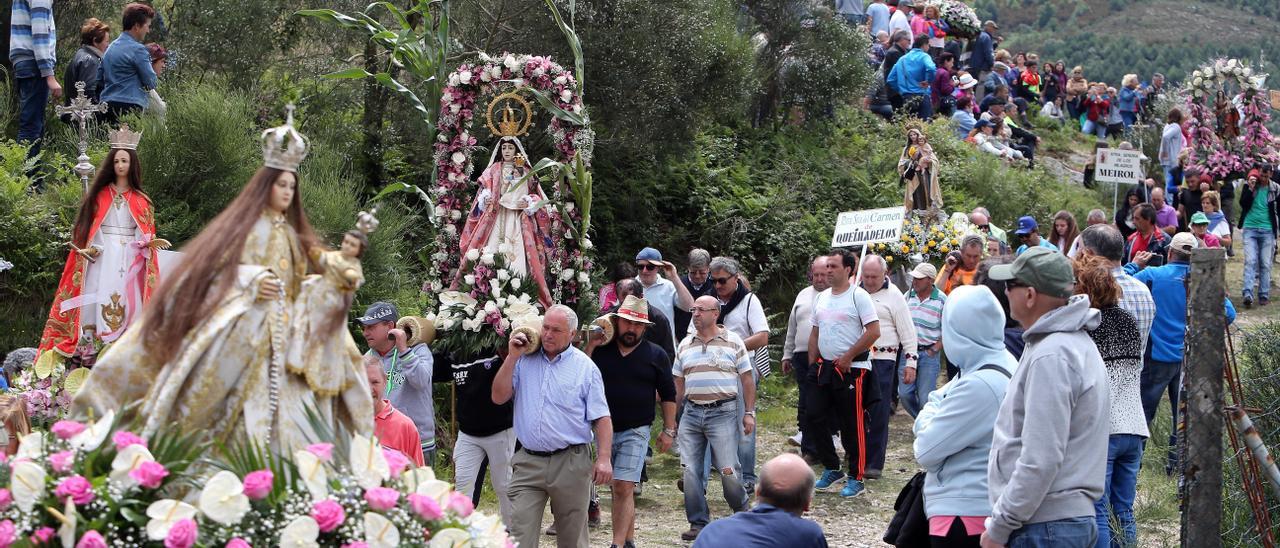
point(925, 302)
point(662, 286)
point(408, 368)
point(1029, 234)
point(1059, 397)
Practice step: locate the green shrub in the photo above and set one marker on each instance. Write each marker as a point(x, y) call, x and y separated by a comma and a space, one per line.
point(36, 227)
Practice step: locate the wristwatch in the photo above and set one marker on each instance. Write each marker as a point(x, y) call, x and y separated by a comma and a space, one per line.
point(669, 433)
point(750, 413)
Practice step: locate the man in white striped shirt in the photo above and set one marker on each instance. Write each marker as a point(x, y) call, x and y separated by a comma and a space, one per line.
point(33, 41)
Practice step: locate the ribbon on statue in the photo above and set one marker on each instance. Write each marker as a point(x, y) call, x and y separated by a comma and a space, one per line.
point(135, 281)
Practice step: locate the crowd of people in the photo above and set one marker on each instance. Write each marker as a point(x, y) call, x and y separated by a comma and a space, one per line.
point(122, 73)
point(925, 70)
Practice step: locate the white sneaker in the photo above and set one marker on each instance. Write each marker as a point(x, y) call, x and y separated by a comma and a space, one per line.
point(795, 440)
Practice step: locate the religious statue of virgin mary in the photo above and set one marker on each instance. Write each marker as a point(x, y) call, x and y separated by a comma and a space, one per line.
point(216, 348)
point(507, 215)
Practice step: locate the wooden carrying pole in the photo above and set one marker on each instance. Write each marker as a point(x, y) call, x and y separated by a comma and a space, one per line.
point(1204, 399)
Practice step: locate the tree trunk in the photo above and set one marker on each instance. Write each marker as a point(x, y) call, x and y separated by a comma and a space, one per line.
point(372, 122)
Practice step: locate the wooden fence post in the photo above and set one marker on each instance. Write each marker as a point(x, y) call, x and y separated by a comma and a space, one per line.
point(1202, 370)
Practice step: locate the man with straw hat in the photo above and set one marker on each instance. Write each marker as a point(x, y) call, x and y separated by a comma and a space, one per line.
point(633, 369)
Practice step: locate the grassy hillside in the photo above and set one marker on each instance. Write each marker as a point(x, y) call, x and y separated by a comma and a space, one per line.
point(1114, 37)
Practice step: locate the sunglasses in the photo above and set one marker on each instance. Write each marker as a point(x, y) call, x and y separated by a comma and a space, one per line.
point(1010, 285)
point(700, 309)
point(647, 267)
point(721, 281)
point(984, 228)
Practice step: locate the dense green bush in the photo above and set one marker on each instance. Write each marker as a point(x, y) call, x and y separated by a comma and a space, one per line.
point(35, 227)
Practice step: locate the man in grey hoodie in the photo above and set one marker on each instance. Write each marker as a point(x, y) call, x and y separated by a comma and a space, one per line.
point(1041, 493)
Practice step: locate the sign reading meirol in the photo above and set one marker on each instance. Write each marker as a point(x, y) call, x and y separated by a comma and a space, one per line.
point(1118, 166)
point(867, 227)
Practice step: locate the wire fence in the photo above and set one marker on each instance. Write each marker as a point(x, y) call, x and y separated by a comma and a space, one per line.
point(1258, 360)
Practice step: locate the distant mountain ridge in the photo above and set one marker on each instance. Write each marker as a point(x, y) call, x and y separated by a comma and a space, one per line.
point(1111, 38)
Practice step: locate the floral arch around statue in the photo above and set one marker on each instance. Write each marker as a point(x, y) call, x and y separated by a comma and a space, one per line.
point(1228, 110)
point(480, 296)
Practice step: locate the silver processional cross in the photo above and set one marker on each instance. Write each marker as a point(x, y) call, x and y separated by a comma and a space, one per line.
point(80, 109)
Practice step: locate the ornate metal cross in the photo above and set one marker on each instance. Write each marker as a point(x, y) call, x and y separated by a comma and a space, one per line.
point(80, 109)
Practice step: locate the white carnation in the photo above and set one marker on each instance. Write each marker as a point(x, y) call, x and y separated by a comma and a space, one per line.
point(439, 211)
point(455, 214)
point(453, 79)
point(510, 62)
point(469, 279)
point(566, 274)
point(465, 77)
point(566, 95)
point(454, 108)
point(586, 244)
point(487, 257)
point(560, 80)
point(489, 307)
point(458, 157)
point(451, 230)
point(538, 72)
point(583, 277)
point(577, 109)
point(496, 72)
point(473, 255)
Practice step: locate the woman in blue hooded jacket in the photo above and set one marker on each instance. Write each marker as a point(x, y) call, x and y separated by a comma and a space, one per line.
point(953, 431)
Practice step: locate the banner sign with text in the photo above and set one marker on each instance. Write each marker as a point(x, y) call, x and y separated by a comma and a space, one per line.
point(868, 226)
point(1118, 166)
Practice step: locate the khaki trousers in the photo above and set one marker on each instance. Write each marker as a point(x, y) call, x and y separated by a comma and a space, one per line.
point(565, 480)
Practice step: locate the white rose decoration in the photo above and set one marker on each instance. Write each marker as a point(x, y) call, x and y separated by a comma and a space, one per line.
point(453, 79)
point(583, 277)
point(455, 214)
point(490, 307)
point(515, 283)
point(495, 287)
point(469, 279)
point(487, 258)
point(465, 77)
point(503, 274)
point(510, 62)
point(473, 254)
point(458, 157)
point(566, 95)
point(566, 274)
point(560, 80)
point(451, 230)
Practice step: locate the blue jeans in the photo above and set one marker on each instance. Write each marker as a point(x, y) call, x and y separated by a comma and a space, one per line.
point(717, 429)
point(1172, 179)
point(746, 442)
point(1078, 532)
point(1094, 128)
point(1259, 243)
point(1124, 458)
point(914, 396)
point(1157, 378)
point(33, 96)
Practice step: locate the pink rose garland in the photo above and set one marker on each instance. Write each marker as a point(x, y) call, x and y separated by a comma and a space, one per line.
point(182, 535)
point(328, 515)
point(257, 484)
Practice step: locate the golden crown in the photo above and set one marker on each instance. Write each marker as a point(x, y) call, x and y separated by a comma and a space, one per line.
point(510, 125)
point(284, 147)
point(123, 138)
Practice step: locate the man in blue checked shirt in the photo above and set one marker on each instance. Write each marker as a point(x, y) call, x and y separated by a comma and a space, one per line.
point(559, 401)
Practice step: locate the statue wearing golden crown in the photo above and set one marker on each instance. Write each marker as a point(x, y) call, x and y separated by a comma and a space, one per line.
point(507, 215)
point(211, 350)
point(112, 267)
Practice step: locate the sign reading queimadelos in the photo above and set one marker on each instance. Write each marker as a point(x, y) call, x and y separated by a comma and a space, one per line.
point(1118, 166)
point(867, 227)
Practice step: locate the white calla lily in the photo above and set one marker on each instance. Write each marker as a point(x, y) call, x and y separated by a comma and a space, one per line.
point(413, 478)
point(379, 532)
point(449, 538)
point(31, 446)
point(313, 474)
point(165, 514)
point(302, 532)
point(94, 433)
point(128, 460)
point(26, 483)
point(68, 518)
point(367, 462)
point(223, 499)
point(436, 489)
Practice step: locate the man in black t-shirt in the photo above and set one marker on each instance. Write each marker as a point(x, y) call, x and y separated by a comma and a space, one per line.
point(633, 370)
point(485, 435)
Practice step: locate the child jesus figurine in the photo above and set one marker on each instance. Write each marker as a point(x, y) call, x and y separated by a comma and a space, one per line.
point(320, 296)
